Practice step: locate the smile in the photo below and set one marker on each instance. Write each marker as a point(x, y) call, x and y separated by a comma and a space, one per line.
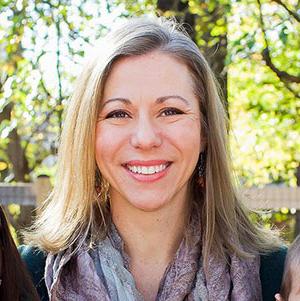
point(147, 170)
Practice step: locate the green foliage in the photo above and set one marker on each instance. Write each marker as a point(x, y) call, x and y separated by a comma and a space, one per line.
point(282, 220)
point(264, 111)
point(41, 49)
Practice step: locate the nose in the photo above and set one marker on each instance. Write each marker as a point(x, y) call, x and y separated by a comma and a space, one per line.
point(145, 134)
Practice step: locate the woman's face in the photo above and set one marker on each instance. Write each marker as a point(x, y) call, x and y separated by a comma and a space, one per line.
point(148, 131)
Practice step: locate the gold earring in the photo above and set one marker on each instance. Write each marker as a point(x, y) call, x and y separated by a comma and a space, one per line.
point(101, 187)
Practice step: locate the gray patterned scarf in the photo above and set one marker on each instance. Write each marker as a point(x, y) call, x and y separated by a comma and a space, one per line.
point(102, 273)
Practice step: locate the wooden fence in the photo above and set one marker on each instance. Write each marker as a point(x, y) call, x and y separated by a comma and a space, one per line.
point(272, 197)
point(268, 197)
point(28, 195)
point(25, 193)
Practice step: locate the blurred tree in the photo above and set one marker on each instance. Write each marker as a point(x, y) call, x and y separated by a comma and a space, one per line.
point(264, 90)
point(41, 47)
point(252, 46)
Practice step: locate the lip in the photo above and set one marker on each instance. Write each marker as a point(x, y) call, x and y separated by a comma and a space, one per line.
point(147, 178)
point(146, 163)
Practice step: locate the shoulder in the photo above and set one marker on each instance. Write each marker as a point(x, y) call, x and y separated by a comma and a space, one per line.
point(271, 271)
point(35, 260)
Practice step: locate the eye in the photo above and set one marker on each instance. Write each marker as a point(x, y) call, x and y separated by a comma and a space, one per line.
point(117, 114)
point(170, 112)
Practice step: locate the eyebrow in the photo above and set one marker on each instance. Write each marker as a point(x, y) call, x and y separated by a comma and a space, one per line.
point(159, 100)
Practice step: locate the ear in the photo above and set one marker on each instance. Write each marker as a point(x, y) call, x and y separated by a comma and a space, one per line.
point(278, 297)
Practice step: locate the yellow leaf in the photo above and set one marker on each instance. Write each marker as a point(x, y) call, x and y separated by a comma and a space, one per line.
point(3, 165)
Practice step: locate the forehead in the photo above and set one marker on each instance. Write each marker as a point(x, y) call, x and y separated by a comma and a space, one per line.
point(156, 69)
point(153, 57)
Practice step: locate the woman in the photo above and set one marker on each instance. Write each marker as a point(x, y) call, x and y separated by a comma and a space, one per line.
point(144, 207)
point(15, 284)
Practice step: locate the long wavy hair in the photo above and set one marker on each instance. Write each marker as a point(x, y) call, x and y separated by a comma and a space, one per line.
point(15, 282)
point(74, 212)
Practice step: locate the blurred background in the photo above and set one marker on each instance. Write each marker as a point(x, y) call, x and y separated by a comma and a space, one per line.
point(251, 45)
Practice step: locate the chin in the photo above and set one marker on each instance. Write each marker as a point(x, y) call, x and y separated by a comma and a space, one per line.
point(148, 206)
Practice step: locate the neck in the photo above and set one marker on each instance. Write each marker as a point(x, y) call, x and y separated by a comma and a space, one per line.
point(151, 236)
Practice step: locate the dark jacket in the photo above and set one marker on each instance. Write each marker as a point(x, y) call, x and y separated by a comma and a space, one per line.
point(271, 269)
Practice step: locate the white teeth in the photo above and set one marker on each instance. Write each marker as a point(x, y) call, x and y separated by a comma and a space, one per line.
point(147, 170)
point(152, 169)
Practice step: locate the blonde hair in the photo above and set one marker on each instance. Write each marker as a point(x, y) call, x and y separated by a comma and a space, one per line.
point(73, 213)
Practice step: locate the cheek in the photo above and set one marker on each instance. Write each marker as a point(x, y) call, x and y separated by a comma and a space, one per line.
point(103, 145)
point(108, 142)
point(187, 137)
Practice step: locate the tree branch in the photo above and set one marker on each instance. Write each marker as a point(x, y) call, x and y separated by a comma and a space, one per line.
point(6, 112)
point(296, 94)
point(38, 128)
point(60, 97)
point(283, 76)
point(2, 82)
point(44, 87)
point(292, 13)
